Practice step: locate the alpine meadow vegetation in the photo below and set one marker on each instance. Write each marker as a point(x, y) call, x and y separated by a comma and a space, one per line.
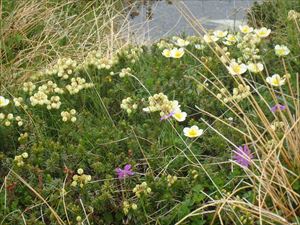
point(196, 130)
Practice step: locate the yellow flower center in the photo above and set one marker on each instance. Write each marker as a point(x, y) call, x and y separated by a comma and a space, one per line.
point(177, 54)
point(236, 68)
point(262, 33)
point(192, 133)
point(281, 51)
point(245, 30)
point(276, 81)
point(178, 115)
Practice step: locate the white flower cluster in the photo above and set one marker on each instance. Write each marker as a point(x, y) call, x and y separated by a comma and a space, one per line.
point(23, 136)
point(248, 46)
point(171, 180)
point(54, 103)
point(129, 105)
point(133, 53)
point(164, 44)
point(77, 84)
point(293, 15)
point(80, 178)
point(69, 116)
point(50, 87)
point(63, 68)
point(160, 102)
point(223, 53)
point(96, 59)
point(9, 118)
point(125, 72)
point(19, 159)
point(39, 98)
point(29, 87)
point(140, 189)
point(277, 125)
point(19, 102)
point(238, 93)
point(127, 206)
point(194, 39)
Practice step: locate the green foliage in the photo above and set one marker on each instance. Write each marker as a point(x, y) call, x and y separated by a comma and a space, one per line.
point(105, 137)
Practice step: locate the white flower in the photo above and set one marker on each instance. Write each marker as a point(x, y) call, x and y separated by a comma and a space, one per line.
point(177, 53)
point(281, 50)
point(25, 155)
point(192, 132)
point(236, 69)
point(275, 80)
point(199, 47)
point(230, 39)
point(3, 101)
point(210, 38)
point(263, 32)
point(179, 116)
point(255, 67)
point(80, 171)
point(220, 33)
point(147, 110)
point(182, 43)
point(245, 29)
point(166, 53)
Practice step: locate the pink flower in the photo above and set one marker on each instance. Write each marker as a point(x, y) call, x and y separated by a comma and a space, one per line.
point(243, 156)
point(278, 107)
point(167, 116)
point(126, 172)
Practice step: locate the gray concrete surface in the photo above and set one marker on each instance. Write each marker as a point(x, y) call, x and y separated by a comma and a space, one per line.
point(167, 20)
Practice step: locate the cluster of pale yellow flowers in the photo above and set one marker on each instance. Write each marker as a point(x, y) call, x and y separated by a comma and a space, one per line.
point(277, 125)
point(125, 72)
point(129, 105)
point(50, 87)
point(140, 189)
point(77, 84)
point(9, 118)
point(171, 180)
point(293, 15)
point(19, 102)
point(167, 108)
point(69, 116)
point(127, 206)
point(163, 44)
point(64, 68)
point(54, 102)
point(19, 159)
point(41, 96)
point(29, 87)
point(132, 53)
point(171, 109)
point(23, 136)
point(238, 93)
point(96, 58)
point(80, 178)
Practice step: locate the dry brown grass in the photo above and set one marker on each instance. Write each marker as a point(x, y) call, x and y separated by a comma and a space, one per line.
point(49, 31)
